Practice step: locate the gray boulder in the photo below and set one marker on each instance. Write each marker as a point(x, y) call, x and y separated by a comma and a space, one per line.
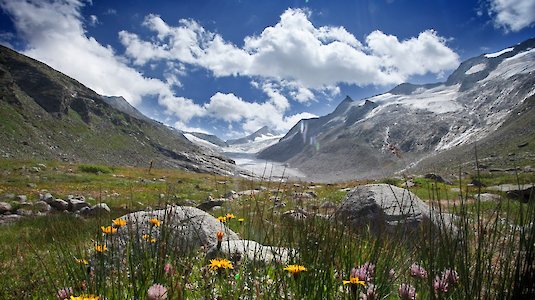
point(22, 198)
point(384, 206)
point(100, 208)
point(59, 204)
point(8, 196)
point(251, 250)
point(24, 212)
point(7, 219)
point(76, 204)
point(189, 227)
point(48, 198)
point(42, 206)
point(5, 207)
point(486, 197)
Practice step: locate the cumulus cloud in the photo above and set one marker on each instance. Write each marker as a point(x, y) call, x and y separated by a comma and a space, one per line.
point(231, 108)
point(512, 15)
point(55, 35)
point(295, 51)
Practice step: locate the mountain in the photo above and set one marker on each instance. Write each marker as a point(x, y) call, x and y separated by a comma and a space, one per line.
point(202, 138)
point(120, 104)
point(45, 114)
point(261, 133)
point(418, 123)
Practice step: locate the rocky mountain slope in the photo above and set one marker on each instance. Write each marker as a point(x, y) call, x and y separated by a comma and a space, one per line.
point(411, 123)
point(45, 114)
point(261, 133)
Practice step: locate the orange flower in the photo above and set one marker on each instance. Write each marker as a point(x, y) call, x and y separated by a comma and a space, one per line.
point(155, 222)
point(101, 248)
point(220, 235)
point(119, 222)
point(108, 229)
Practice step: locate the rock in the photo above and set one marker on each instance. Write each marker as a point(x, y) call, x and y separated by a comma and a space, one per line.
point(408, 184)
point(486, 197)
point(385, 206)
point(189, 226)
point(100, 208)
point(231, 195)
point(35, 170)
point(295, 214)
point(528, 169)
point(437, 178)
point(32, 185)
point(48, 198)
point(305, 195)
point(248, 193)
point(42, 206)
point(5, 207)
point(24, 212)
point(8, 196)
point(253, 251)
point(59, 204)
point(76, 204)
point(22, 198)
point(7, 219)
point(328, 205)
point(84, 211)
point(208, 205)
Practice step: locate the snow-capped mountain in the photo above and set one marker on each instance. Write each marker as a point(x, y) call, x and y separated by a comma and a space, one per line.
point(394, 130)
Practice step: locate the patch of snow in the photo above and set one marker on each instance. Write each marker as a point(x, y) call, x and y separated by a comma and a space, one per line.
point(475, 69)
point(202, 142)
point(259, 144)
point(496, 54)
point(521, 63)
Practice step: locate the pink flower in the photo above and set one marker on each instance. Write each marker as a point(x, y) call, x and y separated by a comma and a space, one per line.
point(450, 276)
point(440, 285)
point(64, 293)
point(371, 293)
point(391, 274)
point(407, 292)
point(169, 269)
point(157, 292)
point(364, 272)
point(418, 271)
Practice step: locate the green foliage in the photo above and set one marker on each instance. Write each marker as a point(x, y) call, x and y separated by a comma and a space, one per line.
point(94, 169)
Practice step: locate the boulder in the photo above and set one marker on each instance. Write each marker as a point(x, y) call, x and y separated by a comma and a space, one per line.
point(8, 196)
point(437, 178)
point(59, 204)
point(48, 198)
point(384, 206)
point(190, 227)
point(42, 206)
point(5, 207)
point(24, 212)
point(253, 251)
point(486, 197)
point(76, 204)
point(97, 209)
point(211, 203)
point(22, 198)
point(7, 219)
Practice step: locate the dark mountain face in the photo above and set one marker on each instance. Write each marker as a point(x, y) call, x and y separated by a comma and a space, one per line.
point(120, 104)
point(396, 130)
point(47, 115)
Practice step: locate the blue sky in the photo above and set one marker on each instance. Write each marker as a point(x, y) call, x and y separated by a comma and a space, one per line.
point(229, 67)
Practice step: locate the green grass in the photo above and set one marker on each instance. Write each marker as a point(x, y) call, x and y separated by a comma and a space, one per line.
point(491, 254)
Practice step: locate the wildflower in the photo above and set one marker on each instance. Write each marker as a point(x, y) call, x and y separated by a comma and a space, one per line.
point(241, 220)
point(85, 297)
point(216, 264)
point(440, 285)
point(371, 293)
point(220, 235)
point(64, 293)
point(295, 269)
point(222, 219)
point(119, 222)
point(407, 292)
point(155, 222)
point(108, 229)
point(418, 271)
point(101, 248)
point(149, 239)
point(157, 292)
point(169, 269)
point(81, 261)
point(230, 216)
point(354, 281)
point(364, 272)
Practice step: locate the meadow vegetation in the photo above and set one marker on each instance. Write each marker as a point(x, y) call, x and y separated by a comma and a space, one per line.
point(490, 254)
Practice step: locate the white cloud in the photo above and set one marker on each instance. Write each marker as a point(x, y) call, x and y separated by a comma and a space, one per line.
point(93, 20)
point(295, 51)
point(55, 35)
point(513, 15)
point(231, 108)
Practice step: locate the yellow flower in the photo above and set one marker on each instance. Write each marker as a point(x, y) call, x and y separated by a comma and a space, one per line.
point(230, 216)
point(149, 239)
point(241, 220)
point(81, 261)
point(108, 229)
point(222, 219)
point(119, 222)
point(294, 269)
point(155, 222)
point(101, 248)
point(216, 264)
point(84, 297)
point(354, 280)
point(153, 240)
